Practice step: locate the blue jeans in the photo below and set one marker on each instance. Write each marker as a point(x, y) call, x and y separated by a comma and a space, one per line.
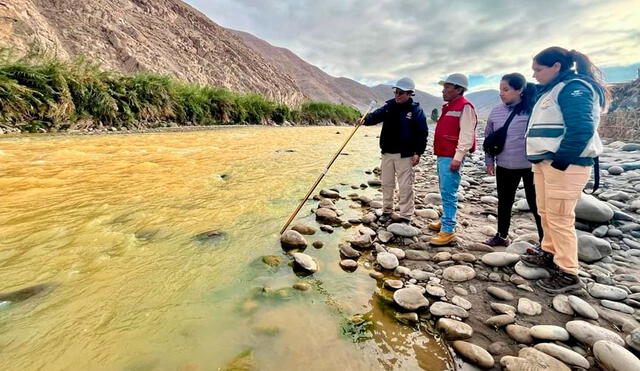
point(449, 182)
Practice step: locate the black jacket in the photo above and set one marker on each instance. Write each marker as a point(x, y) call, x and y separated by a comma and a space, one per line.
point(404, 127)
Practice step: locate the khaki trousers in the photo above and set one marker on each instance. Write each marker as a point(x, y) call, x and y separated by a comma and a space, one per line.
point(393, 166)
point(557, 193)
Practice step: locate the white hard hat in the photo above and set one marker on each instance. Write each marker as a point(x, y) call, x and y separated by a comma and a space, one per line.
point(456, 79)
point(405, 84)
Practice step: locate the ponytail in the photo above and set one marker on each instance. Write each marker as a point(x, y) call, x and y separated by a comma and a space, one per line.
point(555, 54)
point(528, 95)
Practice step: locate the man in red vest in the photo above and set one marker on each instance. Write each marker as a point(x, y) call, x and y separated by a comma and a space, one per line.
point(454, 138)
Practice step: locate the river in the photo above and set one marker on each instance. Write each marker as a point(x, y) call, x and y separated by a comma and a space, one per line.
point(107, 224)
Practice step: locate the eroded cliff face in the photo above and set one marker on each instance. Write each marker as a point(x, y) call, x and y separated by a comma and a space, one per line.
point(160, 36)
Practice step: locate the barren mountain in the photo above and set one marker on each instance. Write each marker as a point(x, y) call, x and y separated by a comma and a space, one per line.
point(161, 36)
point(320, 86)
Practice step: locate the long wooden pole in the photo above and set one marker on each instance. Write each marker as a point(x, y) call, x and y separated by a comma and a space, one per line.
point(326, 169)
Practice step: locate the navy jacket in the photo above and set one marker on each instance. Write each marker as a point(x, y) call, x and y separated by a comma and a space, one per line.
point(404, 127)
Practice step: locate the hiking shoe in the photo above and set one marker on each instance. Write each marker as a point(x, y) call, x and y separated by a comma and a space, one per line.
point(384, 218)
point(442, 239)
point(497, 241)
point(560, 282)
point(396, 218)
point(435, 226)
point(538, 258)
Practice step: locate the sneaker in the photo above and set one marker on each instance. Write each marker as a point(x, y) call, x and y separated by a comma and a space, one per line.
point(560, 282)
point(497, 241)
point(442, 239)
point(538, 258)
point(435, 226)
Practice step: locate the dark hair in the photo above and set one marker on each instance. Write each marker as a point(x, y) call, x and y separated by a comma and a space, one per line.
point(462, 89)
point(528, 95)
point(555, 54)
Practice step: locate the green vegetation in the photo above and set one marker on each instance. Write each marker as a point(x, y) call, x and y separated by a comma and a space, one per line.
point(45, 94)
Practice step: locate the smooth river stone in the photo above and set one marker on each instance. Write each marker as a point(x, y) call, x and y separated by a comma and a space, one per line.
point(427, 213)
point(349, 265)
point(519, 333)
point(404, 230)
point(305, 262)
point(620, 307)
point(393, 284)
point(463, 257)
point(385, 236)
point(549, 332)
point(499, 293)
point(304, 229)
point(613, 357)
point(362, 241)
point(600, 291)
point(531, 273)
point(327, 216)
point(519, 247)
point(561, 304)
point(582, 308)
point(565, 355)
point(499, 259)
point(292, 240)
point(410, 298)
point(503, 308)
point(454, 330)
point(434, 290)
point(500, 320)
point(531, 359)
point(529, 307)
point(473, 353)
point(349, 252)
point(442, 309)
point(588, 334)
point(633, 340)
point(399, 253)
point(458, 273)
point(387, 260)
point(591, 209)
point(461, 302)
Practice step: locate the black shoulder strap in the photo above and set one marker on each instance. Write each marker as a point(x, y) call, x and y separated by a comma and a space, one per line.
point(509, 119)
point(596, 176)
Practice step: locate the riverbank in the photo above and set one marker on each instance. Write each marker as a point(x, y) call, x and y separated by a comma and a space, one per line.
point(169, 128)
point(482, 299)
point(45, 94)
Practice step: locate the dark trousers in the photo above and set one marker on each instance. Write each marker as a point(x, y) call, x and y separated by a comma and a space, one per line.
point(507, 181)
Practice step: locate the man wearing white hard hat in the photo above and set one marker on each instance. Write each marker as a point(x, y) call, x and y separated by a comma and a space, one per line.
point(403, 140)
point(454, 138)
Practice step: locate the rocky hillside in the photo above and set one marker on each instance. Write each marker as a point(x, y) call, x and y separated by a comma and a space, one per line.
point(321, 86)
point(626, 96)
point(161, 36)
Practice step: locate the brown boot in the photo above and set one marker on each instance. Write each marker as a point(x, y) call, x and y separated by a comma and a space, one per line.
point(435, 226)
point(442, 239)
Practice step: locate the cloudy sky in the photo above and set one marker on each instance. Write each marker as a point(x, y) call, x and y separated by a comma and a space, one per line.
point(379, 41)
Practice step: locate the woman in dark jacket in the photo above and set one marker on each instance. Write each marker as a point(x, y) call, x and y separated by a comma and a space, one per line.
point(562, 142)
point(517, 98)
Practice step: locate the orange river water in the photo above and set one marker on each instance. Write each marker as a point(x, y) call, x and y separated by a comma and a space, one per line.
point(106, 225)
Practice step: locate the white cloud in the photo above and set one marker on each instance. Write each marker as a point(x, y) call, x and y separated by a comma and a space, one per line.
point(383, 40)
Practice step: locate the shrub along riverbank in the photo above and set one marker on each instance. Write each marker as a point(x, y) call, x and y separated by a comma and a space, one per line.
point(43, 94)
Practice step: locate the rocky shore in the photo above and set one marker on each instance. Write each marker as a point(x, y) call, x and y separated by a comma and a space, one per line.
point(483, 300)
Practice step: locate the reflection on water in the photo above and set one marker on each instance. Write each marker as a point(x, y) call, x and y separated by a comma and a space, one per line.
point(108, 225)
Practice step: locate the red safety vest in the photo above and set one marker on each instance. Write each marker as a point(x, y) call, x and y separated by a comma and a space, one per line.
point(448, 128)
